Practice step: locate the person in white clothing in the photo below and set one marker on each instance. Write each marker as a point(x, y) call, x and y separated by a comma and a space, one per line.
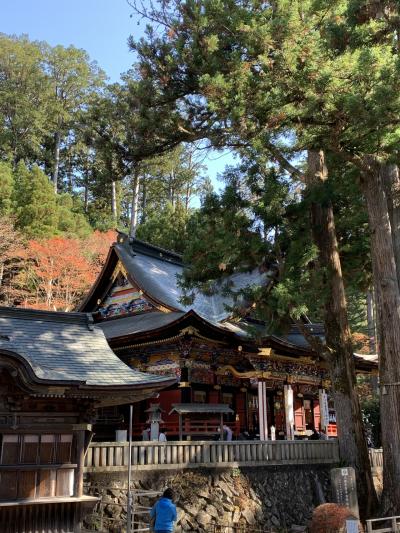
point(162, 436)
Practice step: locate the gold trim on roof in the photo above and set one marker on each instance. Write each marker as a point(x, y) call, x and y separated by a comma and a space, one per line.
point(270, 374)
point(243, 375)
point(190, 330)
point(119, 269)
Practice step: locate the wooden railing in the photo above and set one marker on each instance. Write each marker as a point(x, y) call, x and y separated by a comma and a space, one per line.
point(376, 457)
point(113, 456)
point(197, 428)
point(384, 525)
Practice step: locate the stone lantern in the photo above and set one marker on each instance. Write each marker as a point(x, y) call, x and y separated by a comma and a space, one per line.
point(154, 420)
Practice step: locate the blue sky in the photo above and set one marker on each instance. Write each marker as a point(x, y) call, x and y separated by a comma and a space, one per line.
point(101, 27)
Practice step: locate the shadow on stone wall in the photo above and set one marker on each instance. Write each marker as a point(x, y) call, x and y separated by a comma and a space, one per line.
point(263, 499)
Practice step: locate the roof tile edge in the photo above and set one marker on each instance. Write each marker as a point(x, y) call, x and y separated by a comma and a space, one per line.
point(143, 247)
point(22, 313)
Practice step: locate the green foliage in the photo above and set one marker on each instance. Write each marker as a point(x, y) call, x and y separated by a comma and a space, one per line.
point(370, 407)
point(71, 222)
point(24, 93)
point(372, 419)
point(275, 80)
point(35, 202)
point(6, 188)
point(256, 222)
point(72, 78)
point(167, 228)
point(40, 212)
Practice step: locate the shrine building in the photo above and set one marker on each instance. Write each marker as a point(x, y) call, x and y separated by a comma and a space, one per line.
point(272, 387)
point(56, 371)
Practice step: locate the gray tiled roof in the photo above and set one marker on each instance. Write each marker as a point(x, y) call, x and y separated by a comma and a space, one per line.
point(158, 277)
point(137, 324)
point(142, 323)
point(67, 347)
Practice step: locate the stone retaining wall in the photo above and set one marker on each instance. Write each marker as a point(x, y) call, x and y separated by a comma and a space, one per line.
point(255, 499)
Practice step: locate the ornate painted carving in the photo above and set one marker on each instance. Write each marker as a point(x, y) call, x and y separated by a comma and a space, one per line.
point(123, 299)
point(231, 367)
point(201, 375)
point(293, 369)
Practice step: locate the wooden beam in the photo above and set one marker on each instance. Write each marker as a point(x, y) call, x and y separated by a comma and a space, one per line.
point(80, 459)
point(180, 427)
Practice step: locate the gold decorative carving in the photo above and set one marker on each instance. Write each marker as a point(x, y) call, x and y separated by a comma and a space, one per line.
point(265, 352)
point(190, 330)
point(307, 360)
point(260, 374)
point(119, 268)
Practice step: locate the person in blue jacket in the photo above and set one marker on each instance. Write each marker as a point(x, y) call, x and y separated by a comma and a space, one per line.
point(163, 513)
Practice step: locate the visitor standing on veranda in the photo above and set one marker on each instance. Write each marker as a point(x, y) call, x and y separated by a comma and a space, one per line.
point(163, 513)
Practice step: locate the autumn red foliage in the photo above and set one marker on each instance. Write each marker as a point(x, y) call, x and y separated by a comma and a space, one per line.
point(330, 518)
point(58, 271)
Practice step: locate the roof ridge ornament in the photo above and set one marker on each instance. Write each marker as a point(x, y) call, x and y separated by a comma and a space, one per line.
point(190, 330)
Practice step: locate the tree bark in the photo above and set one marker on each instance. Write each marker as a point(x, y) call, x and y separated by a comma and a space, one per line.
point(391, 183)
point(371, 322)
point(388, 321)
point(135, 203)
point(114, 210)
point(57, 141)
point(352, 441)
point(187, 197)
point(144, 201)
point(171, 189)
point(86, 191)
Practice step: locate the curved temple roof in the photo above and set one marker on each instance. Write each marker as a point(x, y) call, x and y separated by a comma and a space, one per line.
point(67, 347)
point(159, 278)
point(156, 272)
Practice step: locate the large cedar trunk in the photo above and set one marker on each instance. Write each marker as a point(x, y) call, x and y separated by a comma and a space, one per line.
point(352, 441)
point(388, 321)
point(391, 183)
point(371, 322)
point(135, 202)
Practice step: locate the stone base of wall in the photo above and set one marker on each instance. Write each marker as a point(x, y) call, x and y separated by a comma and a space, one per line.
point(265, 499)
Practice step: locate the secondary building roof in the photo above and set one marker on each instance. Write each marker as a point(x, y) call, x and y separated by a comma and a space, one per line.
point(67, 348)
point(132, 325)
point(200, 408)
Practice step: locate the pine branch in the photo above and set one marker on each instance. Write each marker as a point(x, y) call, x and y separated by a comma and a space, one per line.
point(284, 162)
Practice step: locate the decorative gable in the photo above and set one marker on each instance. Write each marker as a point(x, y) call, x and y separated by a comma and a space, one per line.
point(123, 298)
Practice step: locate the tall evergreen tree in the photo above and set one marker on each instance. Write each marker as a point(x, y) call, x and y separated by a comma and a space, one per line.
point(24, 94)
point(35, 202)
point(317, 74)
point(6, 188)
point(72, 79)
